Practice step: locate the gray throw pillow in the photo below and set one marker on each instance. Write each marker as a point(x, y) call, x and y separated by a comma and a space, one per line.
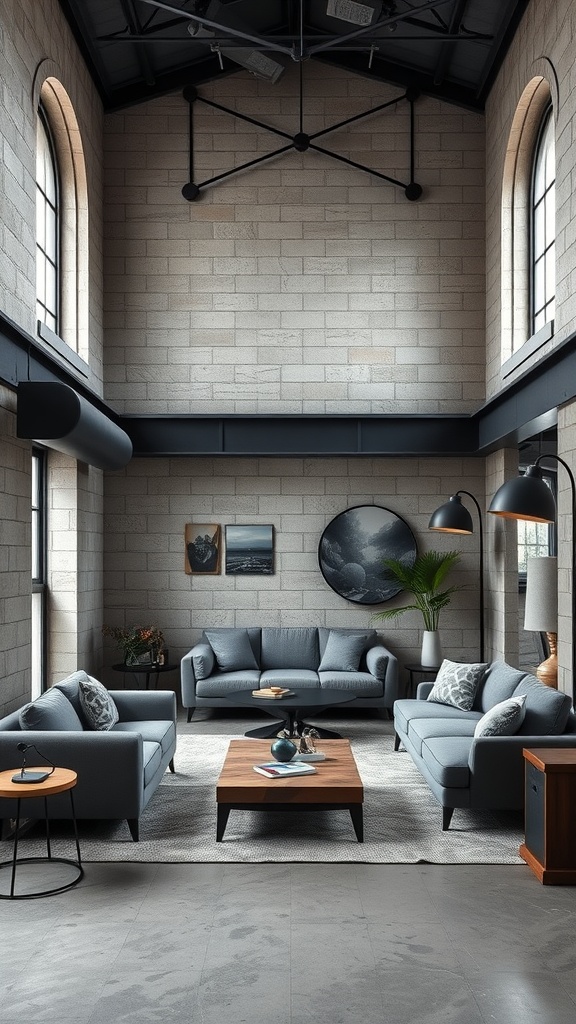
point(52, 711)
point(232, 649)
point(456, 684)
point(203, 661)
point(504, 719)
point(343, 652)
point(97, 704)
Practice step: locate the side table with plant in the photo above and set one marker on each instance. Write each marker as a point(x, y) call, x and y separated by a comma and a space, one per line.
point(137, 642)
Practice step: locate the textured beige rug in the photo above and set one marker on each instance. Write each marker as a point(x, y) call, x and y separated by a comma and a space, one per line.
point(402, 820)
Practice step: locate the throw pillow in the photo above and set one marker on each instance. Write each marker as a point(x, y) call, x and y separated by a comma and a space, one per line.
point(97, 704)
point(456, 684)
point(203, 661)
point(343, 652)
point(232, 649)
point(504, 719)
point(52, 711)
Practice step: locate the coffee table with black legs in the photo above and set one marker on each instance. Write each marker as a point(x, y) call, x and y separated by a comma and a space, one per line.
point(290, 710)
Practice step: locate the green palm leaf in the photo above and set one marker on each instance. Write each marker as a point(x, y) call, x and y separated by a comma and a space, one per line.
point(423, 579)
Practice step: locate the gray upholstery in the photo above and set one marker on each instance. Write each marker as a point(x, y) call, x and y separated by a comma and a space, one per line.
point(232, 649)
point(343, 652)
point(291, 657)
point(50, 712)
point(483, 771)
point(118, 770)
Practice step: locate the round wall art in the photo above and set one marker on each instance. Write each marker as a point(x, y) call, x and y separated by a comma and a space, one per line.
point(353, 546)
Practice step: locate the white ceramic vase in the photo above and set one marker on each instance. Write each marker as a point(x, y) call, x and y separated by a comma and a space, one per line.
point(431, 656)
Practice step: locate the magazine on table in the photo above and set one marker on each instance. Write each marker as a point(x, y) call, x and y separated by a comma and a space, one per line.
point(284, 769)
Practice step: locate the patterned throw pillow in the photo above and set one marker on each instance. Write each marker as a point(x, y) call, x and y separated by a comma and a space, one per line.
point(456, 684)
point(97, 704)
point(504, 719)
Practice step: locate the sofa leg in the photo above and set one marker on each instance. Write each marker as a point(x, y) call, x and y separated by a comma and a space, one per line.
point(134, 830)
point(189, 715)
point(396, 741)
point(171, 766)
point(447, 813)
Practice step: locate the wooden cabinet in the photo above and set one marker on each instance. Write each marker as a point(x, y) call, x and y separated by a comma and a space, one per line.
point(549, 846)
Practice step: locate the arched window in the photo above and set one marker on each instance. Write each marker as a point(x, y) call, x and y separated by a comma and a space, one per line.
point(543, 233)
point(47, 227)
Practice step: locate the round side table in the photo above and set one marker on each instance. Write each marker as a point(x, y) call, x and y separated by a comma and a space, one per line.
point(144, 670)
point(419, 670)
point(60, 781)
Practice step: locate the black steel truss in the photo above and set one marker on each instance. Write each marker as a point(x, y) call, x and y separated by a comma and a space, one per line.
point(301, 141)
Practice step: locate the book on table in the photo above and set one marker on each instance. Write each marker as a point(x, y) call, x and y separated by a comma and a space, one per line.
point(284, 769)
point(267, 694)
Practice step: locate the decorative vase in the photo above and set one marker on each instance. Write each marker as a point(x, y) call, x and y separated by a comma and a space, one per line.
point(283, 750)
point(431, 656)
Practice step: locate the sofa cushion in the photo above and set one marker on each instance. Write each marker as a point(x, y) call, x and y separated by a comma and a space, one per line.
point(446, 757)
point(97, 704)
point(547, 710)
point(422, 729)
point(359, 684)
point(504, 719)
point(343, 652)
point(159, 731)
point(203, 661)
point(499, 683)
point(69, 687)
point(232, 649)
point(456, 684)
point(290, 647)
point(294, 678)
point(406, 710)
point(52, 711)
point(219, 684)
point(151, 758)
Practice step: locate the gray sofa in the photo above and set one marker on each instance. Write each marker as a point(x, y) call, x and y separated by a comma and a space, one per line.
point(118, 770)
point(484, 771)
point(300, 657)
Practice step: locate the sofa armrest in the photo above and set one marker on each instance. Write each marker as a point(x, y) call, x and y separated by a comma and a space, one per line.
point(188, 676)
point(145, 705)
point(383, 665)
point(422, 690)
point(497, 762)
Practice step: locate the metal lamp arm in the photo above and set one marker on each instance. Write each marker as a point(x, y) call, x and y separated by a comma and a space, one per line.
point(481, 539)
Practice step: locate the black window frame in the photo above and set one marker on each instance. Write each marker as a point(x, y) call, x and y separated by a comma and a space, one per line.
point(55, 314)
point(546, 122)
point(39, 549)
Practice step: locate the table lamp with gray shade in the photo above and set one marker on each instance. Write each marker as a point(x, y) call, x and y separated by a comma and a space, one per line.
point(541, 611)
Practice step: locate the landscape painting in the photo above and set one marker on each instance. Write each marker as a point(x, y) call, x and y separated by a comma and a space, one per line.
point(249, 549)
point(202, 548)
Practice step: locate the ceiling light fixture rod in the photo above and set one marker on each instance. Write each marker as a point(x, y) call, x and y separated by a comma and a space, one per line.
point(358, 117)
point(365, 30)
point(258, 40)
point(360, 167)
point(236, 113)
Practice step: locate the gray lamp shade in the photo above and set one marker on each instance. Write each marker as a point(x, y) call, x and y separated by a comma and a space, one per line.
point(451, 517)
point(541, 612)
point(525, 497)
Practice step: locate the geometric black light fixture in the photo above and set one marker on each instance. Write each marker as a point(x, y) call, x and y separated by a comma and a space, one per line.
point(454, 517)
point(528, 497)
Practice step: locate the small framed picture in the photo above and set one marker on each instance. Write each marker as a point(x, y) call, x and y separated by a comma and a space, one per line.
point(249, 550)
point(202, 549)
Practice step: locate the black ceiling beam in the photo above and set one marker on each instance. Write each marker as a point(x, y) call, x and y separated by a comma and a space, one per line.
point(499, 49)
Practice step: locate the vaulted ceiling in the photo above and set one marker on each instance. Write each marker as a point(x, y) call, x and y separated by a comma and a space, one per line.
point(139, 49)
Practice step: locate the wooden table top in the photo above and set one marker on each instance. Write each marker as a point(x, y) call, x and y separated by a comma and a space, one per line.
point(552, 759)
point(336, 779)
point(60, 780)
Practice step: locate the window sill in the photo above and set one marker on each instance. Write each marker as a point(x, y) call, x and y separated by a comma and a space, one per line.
point(63, 350)
point(528, 349)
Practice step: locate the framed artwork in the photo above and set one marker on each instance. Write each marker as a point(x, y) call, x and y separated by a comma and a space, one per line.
point(202, 549)
point(249, 550)
point(352, 549)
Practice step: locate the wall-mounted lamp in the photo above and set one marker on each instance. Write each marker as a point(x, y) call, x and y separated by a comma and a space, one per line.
point(454, 517)
point(529, 497)
point(541, 610)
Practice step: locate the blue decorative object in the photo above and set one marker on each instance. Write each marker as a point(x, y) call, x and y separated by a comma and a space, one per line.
point(283, 750)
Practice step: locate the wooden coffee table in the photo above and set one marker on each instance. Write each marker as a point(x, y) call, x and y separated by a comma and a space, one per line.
point(335, 786)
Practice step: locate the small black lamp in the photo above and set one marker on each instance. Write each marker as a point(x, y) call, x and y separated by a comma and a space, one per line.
point(454, 517)
point(529, 497)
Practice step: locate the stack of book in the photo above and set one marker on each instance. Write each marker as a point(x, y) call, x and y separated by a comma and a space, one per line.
point(272, 692)
point(284, 769)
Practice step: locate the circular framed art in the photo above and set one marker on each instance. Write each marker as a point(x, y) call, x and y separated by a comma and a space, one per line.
point(353, 546)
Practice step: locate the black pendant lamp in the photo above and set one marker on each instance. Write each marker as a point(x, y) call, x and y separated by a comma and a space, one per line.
point(454, 517)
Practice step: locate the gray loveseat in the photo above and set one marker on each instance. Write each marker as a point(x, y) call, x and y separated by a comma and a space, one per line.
point(300, 657)
point(484, 771)
point(118, 770)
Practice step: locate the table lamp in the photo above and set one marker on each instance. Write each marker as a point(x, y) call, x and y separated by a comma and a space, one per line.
point(541, 611)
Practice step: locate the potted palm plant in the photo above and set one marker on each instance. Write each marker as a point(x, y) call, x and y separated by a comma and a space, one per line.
point(423, 578)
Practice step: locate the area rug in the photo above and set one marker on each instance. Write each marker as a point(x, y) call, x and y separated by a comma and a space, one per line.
point(402, 820)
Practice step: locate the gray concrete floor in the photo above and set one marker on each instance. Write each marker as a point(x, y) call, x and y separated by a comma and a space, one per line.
point(291, 944)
